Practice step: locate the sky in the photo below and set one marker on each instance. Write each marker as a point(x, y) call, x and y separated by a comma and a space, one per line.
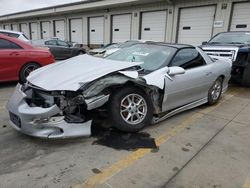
point(12, 6)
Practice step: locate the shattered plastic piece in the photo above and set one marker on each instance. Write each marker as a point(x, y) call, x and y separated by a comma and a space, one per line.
point(157, 78)
point(131, 74)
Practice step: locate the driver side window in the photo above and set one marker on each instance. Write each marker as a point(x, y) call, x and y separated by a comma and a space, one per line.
point(50, 42)
point(188, 58)
point(62, 43)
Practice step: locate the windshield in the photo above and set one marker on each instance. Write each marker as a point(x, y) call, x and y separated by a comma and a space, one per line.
point(152, 56)
point(62, 43)
point(231, 38)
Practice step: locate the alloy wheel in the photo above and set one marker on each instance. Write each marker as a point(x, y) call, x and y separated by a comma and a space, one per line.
point(133, 109)
point(29, 69)
point(216, 90)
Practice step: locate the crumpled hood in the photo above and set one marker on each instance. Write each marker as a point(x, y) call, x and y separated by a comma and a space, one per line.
point(73, 73)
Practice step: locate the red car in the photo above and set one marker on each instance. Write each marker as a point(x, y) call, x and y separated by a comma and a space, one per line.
point(19, 58)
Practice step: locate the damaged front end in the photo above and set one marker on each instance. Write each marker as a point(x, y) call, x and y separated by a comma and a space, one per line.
point(61, 114)
point(52, 114)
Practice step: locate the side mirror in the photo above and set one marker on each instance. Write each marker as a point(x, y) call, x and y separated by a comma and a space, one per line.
point(172, 71)
point(204, 43)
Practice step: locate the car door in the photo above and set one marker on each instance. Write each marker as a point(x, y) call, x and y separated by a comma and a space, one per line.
point(10, 60)
point(191, 86)
point(54, 49)
point(65, 48)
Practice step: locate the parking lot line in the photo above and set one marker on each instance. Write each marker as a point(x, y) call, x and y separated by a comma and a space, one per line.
point(115, 168)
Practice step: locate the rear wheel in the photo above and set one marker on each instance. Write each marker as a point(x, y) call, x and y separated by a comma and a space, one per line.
point(26, 70)
point(215, 91)
point(130, 109)
point(81, 53)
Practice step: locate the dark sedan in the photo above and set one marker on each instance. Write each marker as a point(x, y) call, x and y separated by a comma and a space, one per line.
point(60, 49)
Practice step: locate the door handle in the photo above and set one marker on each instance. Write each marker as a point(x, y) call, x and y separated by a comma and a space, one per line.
point(14, 54)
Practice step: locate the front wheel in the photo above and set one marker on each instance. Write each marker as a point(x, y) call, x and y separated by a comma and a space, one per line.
point(130, 109)
point(26, 70)
point(215, 91)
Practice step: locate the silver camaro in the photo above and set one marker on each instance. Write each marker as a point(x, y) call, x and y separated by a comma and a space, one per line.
point(142, 84)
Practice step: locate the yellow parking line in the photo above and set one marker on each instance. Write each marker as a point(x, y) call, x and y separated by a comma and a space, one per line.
point(115, 168)
point(247, 183)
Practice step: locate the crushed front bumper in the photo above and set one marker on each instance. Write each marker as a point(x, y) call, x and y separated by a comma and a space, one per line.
point(42, 122)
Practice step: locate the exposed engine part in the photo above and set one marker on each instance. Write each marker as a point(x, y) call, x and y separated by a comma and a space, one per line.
point(101, 85)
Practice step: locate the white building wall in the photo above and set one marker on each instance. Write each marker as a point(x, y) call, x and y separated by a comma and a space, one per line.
point(222, 16)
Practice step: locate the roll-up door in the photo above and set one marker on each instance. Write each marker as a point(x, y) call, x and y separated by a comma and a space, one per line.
point(241, 17)
point(14, 27)
point(96, 30)
point(76, 30)
point(45, 28)
point(34, 31)
point(60, 29)
point(153, 25)
point(24, 28)
point(196, 25)
point(121, 28)
point(6, 27)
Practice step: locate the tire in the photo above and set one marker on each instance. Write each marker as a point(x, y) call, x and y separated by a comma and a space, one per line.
point(121, 108)
point(26, 70)
point(215, 91)
point(81, 53)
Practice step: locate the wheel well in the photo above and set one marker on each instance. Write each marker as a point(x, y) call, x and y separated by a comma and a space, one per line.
point(223, 77)
point(27, 64)
point(147, 91)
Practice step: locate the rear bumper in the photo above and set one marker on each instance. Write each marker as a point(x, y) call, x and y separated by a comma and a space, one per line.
point(42, 122)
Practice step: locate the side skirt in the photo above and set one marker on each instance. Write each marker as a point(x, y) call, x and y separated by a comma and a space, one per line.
point(181, 109)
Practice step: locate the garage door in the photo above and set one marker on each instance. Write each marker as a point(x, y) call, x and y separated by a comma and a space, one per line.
point(6, 27)
point(14, 27)
point(241, 17)
point(34, 31)
point(96, 30)
point(76, 30)
point(153, 25)
point(196, 25)
point(60, 29)
point(45, 28)
point(121, 28)
point(24, 28)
